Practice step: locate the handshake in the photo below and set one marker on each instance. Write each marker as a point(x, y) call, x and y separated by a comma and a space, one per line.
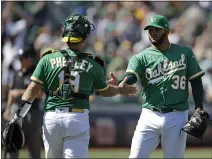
point(122, 88)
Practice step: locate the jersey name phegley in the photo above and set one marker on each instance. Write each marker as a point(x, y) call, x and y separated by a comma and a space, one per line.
point(61, 62)
point(166, 69)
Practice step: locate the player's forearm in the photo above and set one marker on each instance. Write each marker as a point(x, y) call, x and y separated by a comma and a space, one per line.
point(197, 91)
point(31, 92)
point(27, 99)
point(111, 91)
point(131, 78)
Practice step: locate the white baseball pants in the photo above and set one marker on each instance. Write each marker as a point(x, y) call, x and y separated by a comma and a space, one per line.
point(66, 134)
point(155, 127)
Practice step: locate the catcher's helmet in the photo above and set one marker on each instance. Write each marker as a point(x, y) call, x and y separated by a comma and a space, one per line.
point(76, 28)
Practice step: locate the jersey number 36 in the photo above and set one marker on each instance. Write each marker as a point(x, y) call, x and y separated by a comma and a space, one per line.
point(179, 82)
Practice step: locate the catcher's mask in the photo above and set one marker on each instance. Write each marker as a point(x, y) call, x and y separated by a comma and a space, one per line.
point(76, 28)
point(13, 137)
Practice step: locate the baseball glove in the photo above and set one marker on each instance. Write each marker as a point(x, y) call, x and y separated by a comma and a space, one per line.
point(198, 123)
point(13, 137)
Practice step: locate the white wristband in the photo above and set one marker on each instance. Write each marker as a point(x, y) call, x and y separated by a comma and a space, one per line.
point(24, 110)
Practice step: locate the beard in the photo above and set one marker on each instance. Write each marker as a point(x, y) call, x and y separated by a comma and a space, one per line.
point(159, 41)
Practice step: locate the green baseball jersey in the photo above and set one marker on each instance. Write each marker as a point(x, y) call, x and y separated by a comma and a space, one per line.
point(86, 76)
point(165, 75)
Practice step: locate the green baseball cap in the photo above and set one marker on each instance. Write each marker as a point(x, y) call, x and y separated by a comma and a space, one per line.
point(158, 21)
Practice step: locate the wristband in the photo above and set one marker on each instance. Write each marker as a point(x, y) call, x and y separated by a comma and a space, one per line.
point(23, 110)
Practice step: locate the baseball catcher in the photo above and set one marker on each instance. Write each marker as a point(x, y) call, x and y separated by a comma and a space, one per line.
point(68, 79)
point(198, 123)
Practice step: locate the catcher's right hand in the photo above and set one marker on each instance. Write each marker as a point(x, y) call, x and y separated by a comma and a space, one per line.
point(197, 125)
point(13, 136)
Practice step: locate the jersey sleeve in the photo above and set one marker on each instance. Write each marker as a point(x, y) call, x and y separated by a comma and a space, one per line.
point(38, 74)
point(134, 66)
point(100, 82)
point(194, 69)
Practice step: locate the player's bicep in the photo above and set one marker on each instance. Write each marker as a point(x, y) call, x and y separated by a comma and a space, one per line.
point(100, 82)
point(134, 67)
point(194, 69)
point(38, 74)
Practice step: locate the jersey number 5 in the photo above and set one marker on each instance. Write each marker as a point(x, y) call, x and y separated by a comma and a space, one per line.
point(74, 80)
point(179, 82)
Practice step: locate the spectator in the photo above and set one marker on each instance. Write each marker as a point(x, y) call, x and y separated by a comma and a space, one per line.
point(117, 22)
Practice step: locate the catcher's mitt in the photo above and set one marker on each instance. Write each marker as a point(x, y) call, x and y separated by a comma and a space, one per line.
point(13, 137)
point(197, 125)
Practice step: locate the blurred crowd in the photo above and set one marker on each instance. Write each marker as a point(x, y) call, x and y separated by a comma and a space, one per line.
point(118, 35)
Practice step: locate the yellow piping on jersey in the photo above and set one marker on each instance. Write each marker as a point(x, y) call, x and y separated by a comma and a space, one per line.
point(196, 75)
point(131, 71)
point(36, 80)
point(103, 88)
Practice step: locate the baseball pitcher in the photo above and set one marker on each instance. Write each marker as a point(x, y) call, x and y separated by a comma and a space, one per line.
point(164, 70)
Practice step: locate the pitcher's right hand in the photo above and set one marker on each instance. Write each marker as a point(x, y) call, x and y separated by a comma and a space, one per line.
point(125, 89)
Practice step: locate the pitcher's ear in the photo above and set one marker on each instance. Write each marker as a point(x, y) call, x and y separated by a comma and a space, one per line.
point(167, 31)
